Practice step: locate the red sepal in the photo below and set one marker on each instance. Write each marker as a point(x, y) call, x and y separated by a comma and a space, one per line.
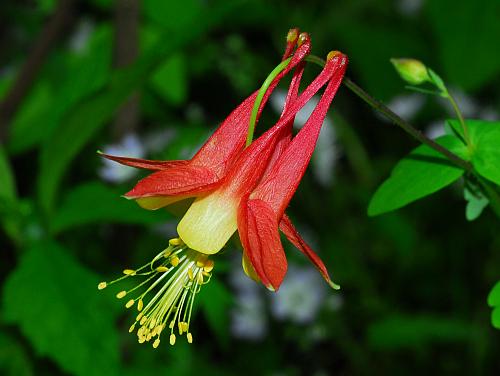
point(146, 164)
point(259, 235)
point(284, 177)
point(182, 180)
point(294, 237)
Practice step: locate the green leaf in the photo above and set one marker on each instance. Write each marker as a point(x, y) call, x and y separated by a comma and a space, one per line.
point(421, 173)
point(13, 358)
point(485, 139)
point(81, 75)
point(26, 129)
point(467, 34)
point(495, 318)
point(9, 204)
point(476, 202)
point(7, 187)
point(174, 15)
point(494, 296)
point(94, 202)
point(81, 124)
point(55, 302)
point(170, 80)
point(409, 331)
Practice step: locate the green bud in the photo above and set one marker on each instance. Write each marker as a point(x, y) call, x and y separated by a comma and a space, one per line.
point(411, 70)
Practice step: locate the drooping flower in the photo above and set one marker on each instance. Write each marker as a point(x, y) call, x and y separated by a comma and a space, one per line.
point(235, 189)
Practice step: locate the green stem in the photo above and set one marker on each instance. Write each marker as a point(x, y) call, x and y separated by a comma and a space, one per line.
point(460, 118)
point(260, 96)
point(407, 127)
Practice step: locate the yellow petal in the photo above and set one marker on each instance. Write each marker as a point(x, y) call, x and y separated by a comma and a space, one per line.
point(248, 268)
point(153, 203)
point(209, 223)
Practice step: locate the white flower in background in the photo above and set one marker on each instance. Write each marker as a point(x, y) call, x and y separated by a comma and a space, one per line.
point(79, 40)
point(327, 151)
point(114, 172)
point(248, 317)
point(156, 142)
point(467, 105)
point(300, 296)
point(406, 106)
point(435, 129)
point(409, 7)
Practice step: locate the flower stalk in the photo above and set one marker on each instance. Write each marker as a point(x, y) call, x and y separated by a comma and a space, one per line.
point(396, 119)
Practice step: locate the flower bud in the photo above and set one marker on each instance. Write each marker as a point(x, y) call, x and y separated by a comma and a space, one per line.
point(411, 70)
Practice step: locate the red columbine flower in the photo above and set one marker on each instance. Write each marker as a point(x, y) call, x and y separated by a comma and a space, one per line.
point(235, 189)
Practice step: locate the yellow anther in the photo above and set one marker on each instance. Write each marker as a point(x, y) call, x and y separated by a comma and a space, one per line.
point(162, 269)
point(129, 272)
point(200, 263)
point(148, 337)
point(121, 294)
point(130, 303)
point(132, 327)
point(189, 337)
point(209, 266)
point(139, 316)
point(185, 326)
point(302, 38)
point(152, 323)
point(142, 339)
point(140, 332)
point(180, 327)
point(143, 320)
point(102, 285)
point(175, 241)
point(140, 304)
point(156, 343)
point(174, 261)
point(159, 329)
point(171, 325)
point(206, 274)
point(172, 339)
point(292, 35)
point(190, 274)
point(332, 54)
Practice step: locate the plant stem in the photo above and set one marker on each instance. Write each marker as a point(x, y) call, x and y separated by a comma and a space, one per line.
point(407, 127)
point(260, 95)
point(460, 118)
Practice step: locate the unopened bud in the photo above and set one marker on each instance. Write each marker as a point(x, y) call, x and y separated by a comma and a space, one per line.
point(411, 70)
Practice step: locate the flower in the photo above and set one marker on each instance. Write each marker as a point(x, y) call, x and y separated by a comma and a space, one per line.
point(300, 297)
point(235, 189)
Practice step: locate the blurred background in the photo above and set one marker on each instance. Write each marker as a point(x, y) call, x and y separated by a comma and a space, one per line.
point(152, 79)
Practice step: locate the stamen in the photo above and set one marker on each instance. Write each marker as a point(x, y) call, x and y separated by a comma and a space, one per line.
point(121, 294)
point(156, 343)
point(173, 291)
